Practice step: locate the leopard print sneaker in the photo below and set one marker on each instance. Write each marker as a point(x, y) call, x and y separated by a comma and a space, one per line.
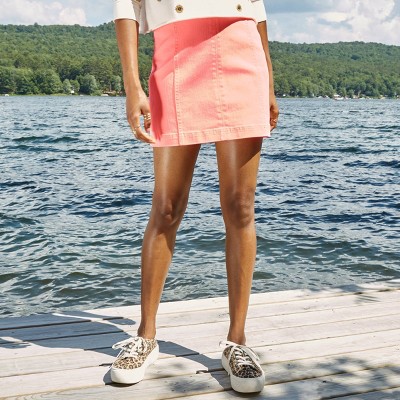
point(136, 355)
point(243, 367)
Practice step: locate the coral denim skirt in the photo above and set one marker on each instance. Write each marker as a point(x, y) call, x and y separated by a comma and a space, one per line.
point(209, 82)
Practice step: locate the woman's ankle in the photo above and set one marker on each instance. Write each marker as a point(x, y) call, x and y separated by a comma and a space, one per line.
point(238, 338)
point(147, 332)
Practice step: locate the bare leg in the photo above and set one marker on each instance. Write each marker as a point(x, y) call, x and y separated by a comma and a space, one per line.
point(238, 162)
point(173, 171)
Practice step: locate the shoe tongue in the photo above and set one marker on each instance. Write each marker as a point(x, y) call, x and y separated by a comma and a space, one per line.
point(240, 352)
point(134, 344)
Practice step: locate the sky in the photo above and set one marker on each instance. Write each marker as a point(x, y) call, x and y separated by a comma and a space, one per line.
point(296, 21)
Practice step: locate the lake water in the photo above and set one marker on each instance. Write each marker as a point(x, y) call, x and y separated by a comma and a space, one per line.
point(76, 191)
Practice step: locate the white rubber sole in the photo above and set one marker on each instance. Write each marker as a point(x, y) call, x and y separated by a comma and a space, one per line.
point(243, 385)
point(131, 376)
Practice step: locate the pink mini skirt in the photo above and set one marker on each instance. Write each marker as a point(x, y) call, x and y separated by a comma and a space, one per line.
point(209, 82)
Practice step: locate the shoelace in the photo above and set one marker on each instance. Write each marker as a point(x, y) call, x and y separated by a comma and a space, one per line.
point(243, 354)
point(130, 347)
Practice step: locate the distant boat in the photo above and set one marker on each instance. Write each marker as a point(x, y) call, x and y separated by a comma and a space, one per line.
point(6, 95)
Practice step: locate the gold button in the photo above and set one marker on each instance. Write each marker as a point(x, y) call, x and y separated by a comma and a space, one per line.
point(239, 7)
point(179, 8)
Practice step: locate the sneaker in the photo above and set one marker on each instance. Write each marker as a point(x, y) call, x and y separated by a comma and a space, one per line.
point(241, 364)
point(136, 355)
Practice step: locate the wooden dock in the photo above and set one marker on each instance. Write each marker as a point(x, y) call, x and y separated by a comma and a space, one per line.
point(335, 343)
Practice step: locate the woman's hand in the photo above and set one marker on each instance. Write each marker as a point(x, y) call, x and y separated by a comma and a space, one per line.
point(136, 100)
point(273, 105)
point(137, 104)
point(274, 112)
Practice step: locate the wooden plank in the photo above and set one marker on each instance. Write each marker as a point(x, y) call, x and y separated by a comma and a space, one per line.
point(362, 291)
point(65, 331)
point(367, 289)
point(205, 337)
point(290, 334)
point(301, 315)
point(60, 318)
point(56, 362)
point(210, 386)
point(278, 309)
point(283, 371)
point(199, 333)
point(348, 386)
point(268, 354)
point(387, 304)
point(172, 369)
point(389, 394)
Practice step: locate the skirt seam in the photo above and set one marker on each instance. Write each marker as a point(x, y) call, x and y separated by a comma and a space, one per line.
point(215, 74)
point(220, 80)
point(175, 83)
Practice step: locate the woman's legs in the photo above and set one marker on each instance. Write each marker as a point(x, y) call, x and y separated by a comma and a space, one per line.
point(238, 162)
point(173, 171)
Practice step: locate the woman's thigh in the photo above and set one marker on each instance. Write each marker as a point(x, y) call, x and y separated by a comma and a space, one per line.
point(173, 173)
point(238, 162)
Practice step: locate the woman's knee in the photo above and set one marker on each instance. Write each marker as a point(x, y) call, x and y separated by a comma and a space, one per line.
point(238, 208)
point(167, 213)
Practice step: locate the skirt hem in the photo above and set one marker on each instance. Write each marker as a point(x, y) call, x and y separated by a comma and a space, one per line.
point(213, 135)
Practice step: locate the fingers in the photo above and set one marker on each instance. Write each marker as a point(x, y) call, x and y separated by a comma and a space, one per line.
point(273, 122)
point(147, 122)
point(274, 115)
point(141, 133)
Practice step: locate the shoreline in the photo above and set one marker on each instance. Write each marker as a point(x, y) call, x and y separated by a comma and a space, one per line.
point(278, 97)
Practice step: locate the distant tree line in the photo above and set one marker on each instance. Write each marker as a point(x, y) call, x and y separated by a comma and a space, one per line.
point(353, 69)
point(37, 59)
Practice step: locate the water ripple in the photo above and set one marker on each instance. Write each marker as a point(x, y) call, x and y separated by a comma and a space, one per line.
point(76, 194)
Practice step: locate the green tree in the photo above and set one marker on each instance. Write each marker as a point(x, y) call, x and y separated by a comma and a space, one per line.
point(116, 83)
point(75, 86)
point(67, 87)
point(67, 67)
point(48, 81)
point(283, 86)
point(88, 84)
point(7, 80)
point(25, 82)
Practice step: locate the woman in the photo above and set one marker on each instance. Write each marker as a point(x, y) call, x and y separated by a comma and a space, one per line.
point(211, 81)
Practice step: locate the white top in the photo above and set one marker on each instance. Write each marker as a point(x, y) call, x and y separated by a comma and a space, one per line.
point(151, 14)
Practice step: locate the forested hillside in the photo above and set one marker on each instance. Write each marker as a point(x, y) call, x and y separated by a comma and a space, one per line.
point(349, 69)
point(38, 59)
